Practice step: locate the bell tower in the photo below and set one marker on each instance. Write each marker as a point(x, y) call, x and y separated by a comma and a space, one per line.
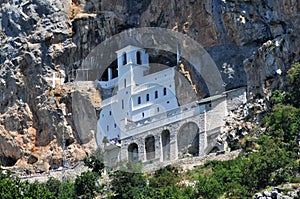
point(133, 62)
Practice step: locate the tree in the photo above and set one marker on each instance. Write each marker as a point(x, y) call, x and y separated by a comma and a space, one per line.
point(209, 187)
point(67, 191)
point(164, 177)
point(85, 185)
point(277, 98)
point(165, 184)
point(95, 161)
point(8, 186)
point(293, 76)
point(105, 140)
point(53, 185)
point(35, 190)
point(129, 181)
point(283, 123)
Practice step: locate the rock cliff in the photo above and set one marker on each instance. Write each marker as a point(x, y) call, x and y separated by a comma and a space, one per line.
point(46, 40)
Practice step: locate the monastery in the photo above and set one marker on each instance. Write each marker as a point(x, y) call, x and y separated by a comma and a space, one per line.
point(143, 120)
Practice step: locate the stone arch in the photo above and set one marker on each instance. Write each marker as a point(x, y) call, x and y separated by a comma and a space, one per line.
point(133, 152)
point(150, 147)
point(165, 139)
point(188, 140)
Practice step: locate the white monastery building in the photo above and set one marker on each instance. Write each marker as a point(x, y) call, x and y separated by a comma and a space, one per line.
point(144, 121)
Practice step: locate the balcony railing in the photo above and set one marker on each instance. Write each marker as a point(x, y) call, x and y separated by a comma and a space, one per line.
point(168, 117)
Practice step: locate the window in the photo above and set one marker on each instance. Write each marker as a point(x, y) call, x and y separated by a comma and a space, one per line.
point(143, 114)
point(139, 100)
point(115, 125)
point(165, 91)
point(109, 112)
point(147, 97)
point(138, 57)
point(157, 109)
point(124, 83)
point(122, 104)
point(107, 128)
point(124, 59)
point(156, 94)
point(168, 102)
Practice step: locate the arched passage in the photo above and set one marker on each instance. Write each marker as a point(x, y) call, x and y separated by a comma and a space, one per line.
point(150, 147)
point(165, 139)
point(133, 152)
point(188, 140)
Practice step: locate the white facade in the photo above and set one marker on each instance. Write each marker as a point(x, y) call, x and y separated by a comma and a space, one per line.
point(139, 95)
point(144, 114)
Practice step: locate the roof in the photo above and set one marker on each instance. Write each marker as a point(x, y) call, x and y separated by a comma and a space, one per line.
point(212, 98)
point(128, 49)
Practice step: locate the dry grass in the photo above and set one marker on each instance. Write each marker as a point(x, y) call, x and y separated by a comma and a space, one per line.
point(74, 10)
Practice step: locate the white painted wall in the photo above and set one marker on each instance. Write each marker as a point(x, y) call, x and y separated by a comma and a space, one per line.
point(107, 124)
point(134, 84)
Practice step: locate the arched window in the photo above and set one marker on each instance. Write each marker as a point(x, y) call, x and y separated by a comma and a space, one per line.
point(188, 144)
point(150, 147)
point(133, 152)
point(124, 59)
point(138, 57)
point(165, 136)
point(139, 100)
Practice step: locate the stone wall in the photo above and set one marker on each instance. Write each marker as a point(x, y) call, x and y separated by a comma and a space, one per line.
point(235, 98)
point(183, 127)
point(193, 136)
point(190, 137)
point(215, 114)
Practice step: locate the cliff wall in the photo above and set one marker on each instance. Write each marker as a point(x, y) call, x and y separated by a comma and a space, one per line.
point(39, 38)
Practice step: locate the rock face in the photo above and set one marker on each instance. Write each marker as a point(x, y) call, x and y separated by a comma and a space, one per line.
point(286, 191)
point(42, 39)
point(267, 66)
point(84, 113)
point(35, 36)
